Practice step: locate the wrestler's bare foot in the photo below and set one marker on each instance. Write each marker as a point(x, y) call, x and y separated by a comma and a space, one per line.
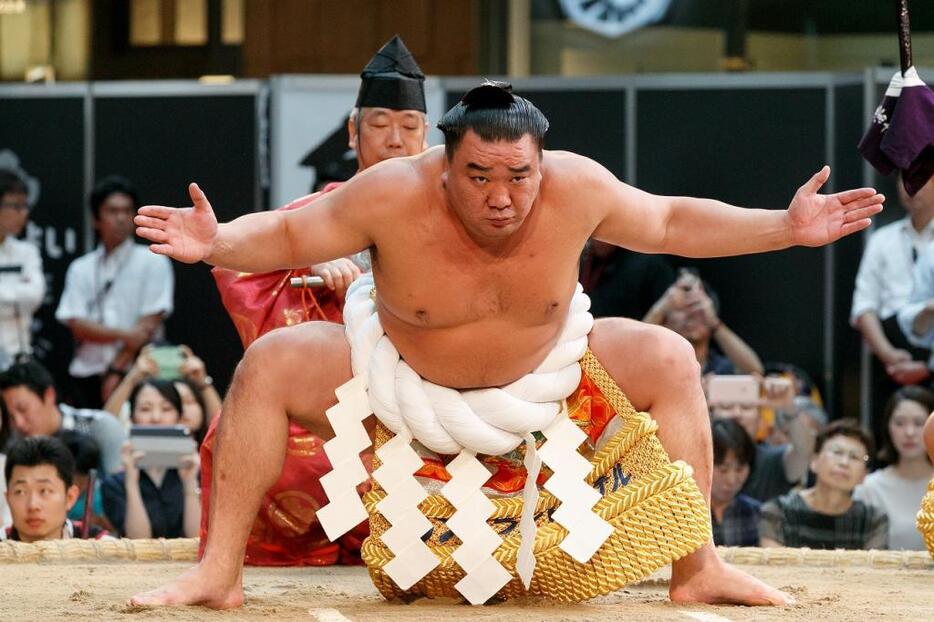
point(709, 580)
point(194, 587)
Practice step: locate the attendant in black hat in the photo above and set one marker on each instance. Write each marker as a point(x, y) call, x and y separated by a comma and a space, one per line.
point(389, 118)
point(387, 121)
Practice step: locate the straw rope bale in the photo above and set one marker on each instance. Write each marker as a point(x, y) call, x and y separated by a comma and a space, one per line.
point(894, 560)
point(108, 549)
point(186, 550)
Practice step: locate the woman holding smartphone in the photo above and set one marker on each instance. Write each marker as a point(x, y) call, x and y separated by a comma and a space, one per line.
point(154, 502)
point(200, 400)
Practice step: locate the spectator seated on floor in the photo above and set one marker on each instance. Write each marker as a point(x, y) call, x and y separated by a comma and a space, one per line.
point(692, 309)
point(734, 516)
point(200, 400)
point(826, 516)
point(87, 478)
point(898, 488)
point(28, 391)
point(776, 468)
point(39, 475)
point(154, 502)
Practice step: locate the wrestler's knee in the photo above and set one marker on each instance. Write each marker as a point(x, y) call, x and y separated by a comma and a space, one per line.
point(676, 357)
point(645, 357)
point(278, 354)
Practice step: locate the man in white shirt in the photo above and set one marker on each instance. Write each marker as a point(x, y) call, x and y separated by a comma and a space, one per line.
point(22, 282)
point(115, 297)
point(884, 286)
point(916, 317)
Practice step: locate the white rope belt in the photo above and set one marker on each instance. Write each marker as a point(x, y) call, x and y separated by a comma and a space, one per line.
point(484, 421)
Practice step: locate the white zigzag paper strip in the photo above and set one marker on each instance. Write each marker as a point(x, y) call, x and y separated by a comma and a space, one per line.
point(489, 421)
point(345, 509)
point(412, 559)
point(586, 531)
point(525, 559)
point(485, 576)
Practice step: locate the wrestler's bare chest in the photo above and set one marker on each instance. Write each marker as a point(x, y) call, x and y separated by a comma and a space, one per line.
point(434, 285)
point(466, 319)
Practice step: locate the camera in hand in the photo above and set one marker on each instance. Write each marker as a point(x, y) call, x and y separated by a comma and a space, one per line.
point(162, 445)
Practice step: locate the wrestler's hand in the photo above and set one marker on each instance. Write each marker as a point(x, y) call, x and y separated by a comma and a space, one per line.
point(337, 274)
point(183, 233)
point(817, 219)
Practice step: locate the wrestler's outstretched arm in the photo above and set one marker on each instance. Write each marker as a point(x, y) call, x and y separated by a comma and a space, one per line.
point(707, 228)
point(336, 225)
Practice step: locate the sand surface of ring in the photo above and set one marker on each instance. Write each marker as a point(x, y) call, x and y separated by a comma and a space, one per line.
point(99, 592)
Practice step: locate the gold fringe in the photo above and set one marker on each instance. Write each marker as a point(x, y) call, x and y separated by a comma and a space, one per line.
point(926, 518)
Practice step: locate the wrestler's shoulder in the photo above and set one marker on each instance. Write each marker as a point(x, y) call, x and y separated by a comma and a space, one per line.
point(408, 171)
point(560, 161)
point(566, 169)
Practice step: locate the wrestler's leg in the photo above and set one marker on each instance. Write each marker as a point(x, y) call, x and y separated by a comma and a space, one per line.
point(657, 370)
point(287, 373)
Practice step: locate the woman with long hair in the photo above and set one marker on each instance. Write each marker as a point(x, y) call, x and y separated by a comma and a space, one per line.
point(900, 485)
point(154, 502)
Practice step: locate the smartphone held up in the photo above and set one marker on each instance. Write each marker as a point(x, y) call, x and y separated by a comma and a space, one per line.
point(169, 361)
